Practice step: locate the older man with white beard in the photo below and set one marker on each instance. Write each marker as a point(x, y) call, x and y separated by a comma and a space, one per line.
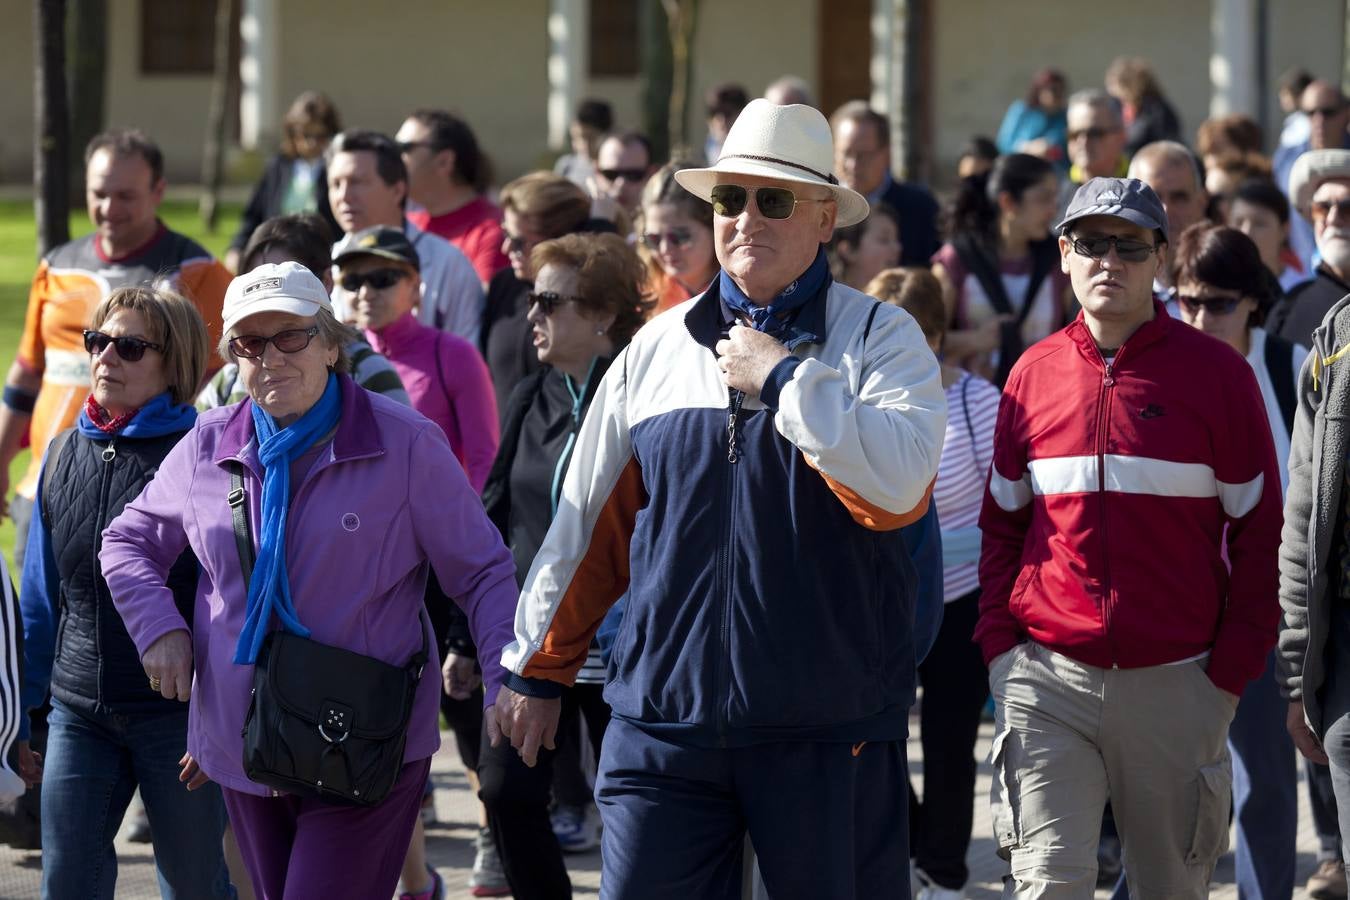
point(1319, 185)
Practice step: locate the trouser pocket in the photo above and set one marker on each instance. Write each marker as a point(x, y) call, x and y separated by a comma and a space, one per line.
point(1002, 796)
point(1213, 796)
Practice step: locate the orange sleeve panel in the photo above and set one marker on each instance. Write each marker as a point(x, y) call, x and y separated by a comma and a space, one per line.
point(869, 515)
point(599, 581)
point(30, 344)
point(204, 283)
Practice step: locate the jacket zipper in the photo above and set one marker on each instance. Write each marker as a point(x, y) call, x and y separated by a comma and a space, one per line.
point(722, 693)
point(105, 487)
point(1103, 418)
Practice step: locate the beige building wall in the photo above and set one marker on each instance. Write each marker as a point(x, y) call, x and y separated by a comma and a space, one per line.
point(16, 98)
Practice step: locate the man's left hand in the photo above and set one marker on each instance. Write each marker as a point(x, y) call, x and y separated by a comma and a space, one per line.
point(746, 357)
point(527, 722)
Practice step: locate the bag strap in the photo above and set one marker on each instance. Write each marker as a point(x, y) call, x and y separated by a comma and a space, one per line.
point(243, 540)
point(1279, 358)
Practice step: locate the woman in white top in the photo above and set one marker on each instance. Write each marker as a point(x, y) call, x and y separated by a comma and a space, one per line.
point(1224, 290)
point(954, 680)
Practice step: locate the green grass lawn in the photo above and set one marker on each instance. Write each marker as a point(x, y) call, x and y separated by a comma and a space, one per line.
point(18, 258)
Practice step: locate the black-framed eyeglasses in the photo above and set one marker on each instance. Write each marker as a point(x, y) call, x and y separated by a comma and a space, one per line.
point(626, 174)
point(676, 237)
point(379, 279)
point(410, 146)
point(729, 200)
point(290, 340)
point(1323, 208)
point(1094, 133)
point(515, 243)
point(1127, 249)
point(130, 349)
point(548, 301)
point(1212, 305)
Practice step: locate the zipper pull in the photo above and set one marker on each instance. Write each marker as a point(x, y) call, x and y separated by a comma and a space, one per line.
point(732, 455)
point(1109, 379)
point(110, 452)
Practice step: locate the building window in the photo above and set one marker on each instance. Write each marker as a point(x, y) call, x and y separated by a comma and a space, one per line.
point(177, 38)
point(614, 38)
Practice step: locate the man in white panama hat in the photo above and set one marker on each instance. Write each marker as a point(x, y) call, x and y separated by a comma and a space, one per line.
point(742, 477)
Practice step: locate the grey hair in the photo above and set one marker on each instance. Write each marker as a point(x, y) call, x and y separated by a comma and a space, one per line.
point(1160, 153)
point(1098, 99)
point(332, 332)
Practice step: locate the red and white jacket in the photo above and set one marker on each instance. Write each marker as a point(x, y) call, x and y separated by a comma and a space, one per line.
point(1108, 501)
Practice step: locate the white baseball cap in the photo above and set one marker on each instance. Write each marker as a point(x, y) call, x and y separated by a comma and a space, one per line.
point(282, 287)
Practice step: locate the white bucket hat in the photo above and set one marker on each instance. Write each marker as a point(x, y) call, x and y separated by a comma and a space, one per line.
point(786, 143)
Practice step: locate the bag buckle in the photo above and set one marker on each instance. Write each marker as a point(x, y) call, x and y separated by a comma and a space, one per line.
point(335, 722)
point(235, 497)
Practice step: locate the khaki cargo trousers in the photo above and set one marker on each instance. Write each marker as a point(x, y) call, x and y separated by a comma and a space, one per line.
point(1069, 737)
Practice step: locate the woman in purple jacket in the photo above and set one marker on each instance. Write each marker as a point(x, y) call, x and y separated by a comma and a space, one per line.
point(360, 497)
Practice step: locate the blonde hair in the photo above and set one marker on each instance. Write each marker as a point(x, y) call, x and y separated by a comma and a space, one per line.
point(172, 322)
point(917, 292)
point(550, 204)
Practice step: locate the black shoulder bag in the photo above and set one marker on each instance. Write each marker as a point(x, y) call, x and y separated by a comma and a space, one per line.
point(1044, 257)
point(323, 722)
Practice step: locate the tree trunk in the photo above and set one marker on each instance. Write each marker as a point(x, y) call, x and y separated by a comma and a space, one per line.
point(87, 73)
point(656, 75)
point(51, 131)
point(213, 157)
point(683, 18)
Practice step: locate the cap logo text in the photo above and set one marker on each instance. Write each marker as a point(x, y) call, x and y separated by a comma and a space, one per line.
point(263, 285)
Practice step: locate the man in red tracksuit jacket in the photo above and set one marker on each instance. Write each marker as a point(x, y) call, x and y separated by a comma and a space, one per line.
point(1131, 454)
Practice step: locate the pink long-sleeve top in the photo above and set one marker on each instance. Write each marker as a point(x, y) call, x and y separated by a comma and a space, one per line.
point(448, 382)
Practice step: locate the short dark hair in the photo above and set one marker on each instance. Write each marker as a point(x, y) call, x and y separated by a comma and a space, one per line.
point(1224, 258)
point(980, 147)
point(1264, 193)
point(1295, 80)
point(449, 132)
point(726, 99)
point(629, 138)
point(388, 159)
point(859, 112)
point(304, 237)
point(597, 114)
point(124, 142)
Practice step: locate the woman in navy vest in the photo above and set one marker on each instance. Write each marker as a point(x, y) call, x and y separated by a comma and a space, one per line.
point(112, 730)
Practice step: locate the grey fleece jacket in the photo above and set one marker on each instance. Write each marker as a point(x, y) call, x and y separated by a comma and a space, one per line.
point(1317, 455)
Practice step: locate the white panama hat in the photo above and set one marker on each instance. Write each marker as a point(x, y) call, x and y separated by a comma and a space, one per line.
point(786, 143)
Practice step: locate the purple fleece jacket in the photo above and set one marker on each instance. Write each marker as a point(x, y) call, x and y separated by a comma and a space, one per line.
point(386, 498)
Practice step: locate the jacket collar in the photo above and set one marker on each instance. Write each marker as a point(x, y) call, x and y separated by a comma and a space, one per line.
point(1153, 330)
point(706, 319)
point(357, 434)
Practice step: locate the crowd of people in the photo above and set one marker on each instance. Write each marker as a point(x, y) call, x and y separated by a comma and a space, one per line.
point(670, 485)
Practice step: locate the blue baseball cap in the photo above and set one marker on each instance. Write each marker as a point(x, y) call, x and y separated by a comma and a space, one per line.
point(1125, 198)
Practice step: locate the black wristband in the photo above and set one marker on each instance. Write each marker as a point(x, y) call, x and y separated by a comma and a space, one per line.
point(19, 400)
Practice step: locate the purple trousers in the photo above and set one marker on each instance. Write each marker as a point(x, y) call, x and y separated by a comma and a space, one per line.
point(298, 848)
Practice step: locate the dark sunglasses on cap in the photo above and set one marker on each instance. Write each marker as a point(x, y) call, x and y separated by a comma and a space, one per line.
point(626, 174)
point(379, 279)
point(1097, 247)
point(729, 200)
point(676, 237)
point(548, 301)
point(1211, 305)
point(130, 349)
point(1322, 208)
point(291, 340)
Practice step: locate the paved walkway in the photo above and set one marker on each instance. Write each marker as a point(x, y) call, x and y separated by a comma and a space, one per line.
point(450, 846)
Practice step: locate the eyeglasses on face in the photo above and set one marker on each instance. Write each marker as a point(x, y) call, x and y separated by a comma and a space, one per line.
point(130, 349)
point(515, 243)
point(676, 237)
point(1094, 133)
point(1211, 305)
point(379, 279)
point(612, 175)
point(290, 340)
point(410, 146)
point(729, 200)
point(548, 301)
point(1325, 112)
point(1322, 208)
point(1097, 247)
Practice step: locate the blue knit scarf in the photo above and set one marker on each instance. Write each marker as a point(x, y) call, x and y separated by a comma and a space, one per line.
point(773, 318)
point(270, 590)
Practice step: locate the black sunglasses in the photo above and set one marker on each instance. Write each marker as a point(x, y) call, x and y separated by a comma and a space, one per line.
point(379, 279)
point(1322, 208)
point(676, 237)
point(626, 174)
point(514, 242)
point(548, 301)
point(1097, 247)
point(291, 340)
point(1092, 134)
point(130, 349)
point(1325, 112)
point(1212, 305)
point(410, 146)
point(729, 200)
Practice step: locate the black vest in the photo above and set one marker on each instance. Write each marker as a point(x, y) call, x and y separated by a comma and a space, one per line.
point(97, 667)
